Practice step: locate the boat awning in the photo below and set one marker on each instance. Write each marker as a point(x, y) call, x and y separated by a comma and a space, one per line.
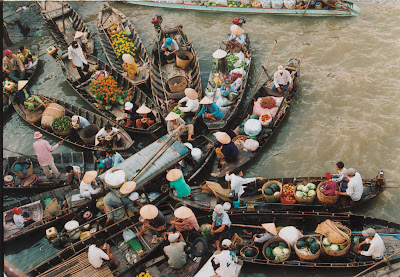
point(172, 155)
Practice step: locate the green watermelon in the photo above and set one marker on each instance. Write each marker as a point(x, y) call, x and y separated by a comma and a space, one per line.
point(274, 187)
point(300, 244)
point(314, 247)
point(310, 240)
point(341, 247)
point(268, 192)
point(283, 244)
point(268, 251)
point(249, 252)
point(253, 116)
point(273, 245)
point(242, 132)
point(242, 124)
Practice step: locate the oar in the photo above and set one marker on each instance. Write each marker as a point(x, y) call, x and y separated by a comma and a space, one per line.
point(248, 226)
point(308, 4)
point(378, 263)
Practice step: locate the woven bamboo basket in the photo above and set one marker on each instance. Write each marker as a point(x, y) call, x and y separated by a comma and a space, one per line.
point(271, 241)
point(177, 86)
point(183, 59)
point(341, 252)
point(120, 185)
point(20, 174)
point(88, 134)
point(249, 246)
point(64, 133)
point(272, 198)
point(51, 112)
point(325, 199)
point(305, 200)
point(311, 257)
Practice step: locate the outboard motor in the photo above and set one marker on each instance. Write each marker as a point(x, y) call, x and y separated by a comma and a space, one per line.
point(156, 21)
point(239, 21)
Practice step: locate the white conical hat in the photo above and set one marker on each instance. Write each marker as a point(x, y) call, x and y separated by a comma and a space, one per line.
point(206, 101)
point(127, 187)
point(219, 54)
point(222, 137)
point(183, 212)
point(89, 176)
point(128, 58)
point(174, 174)
point(149, 211)
point(191, 93)
point(172, 116)
point(236, 30)
point(22, 84)
point(143, 110)
point(270, 227)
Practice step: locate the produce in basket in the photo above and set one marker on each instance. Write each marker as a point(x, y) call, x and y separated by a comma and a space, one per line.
point(306, 191)
point(62, 124)
point(178, 111)
point(280, 253)
point(308, 246)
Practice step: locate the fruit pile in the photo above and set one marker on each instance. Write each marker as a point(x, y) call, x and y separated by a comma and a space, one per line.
point(178, 111)
point(288, 191)
point(332, 246)
point(277, 251)
point(62, 124)
point(107, 92)
point(123, 44)
point(306, 191)
point(308, 245)
point(273, 189)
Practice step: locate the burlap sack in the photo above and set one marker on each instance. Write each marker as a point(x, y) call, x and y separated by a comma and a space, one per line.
point(53, 208)
point(51, 112)
point(333, 231)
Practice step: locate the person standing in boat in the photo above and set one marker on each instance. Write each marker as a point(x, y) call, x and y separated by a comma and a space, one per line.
point(96, 254)
point(144, 117)
point(282, 80)
point(154, 219)
point(175, 252)
point(210, 110)
point(355, 186)
point(78, 59)
point(109, 136)
point(169, 49)
point(25, 97)
point(228, 152)
point(73, 172)
point(80, 38)
point(43, 151)
point(21, 220)
point(223, 68)
point(220, 225)
point(226, 260)
point(192, 103)
point(129, 66)
point(237, 183)
point(376, 248)
point(115, 157)
point(175, 122)
point(341, 179)
point(237, 34)
point(13, 65)
point(85, 188)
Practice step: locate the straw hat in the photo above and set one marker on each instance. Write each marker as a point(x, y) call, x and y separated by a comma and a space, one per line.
point(219, 54)
point(191, 93)
point(281, 69)
point(22, 84)
point(37, 135)
point(143, 110)
point(128, 58)
point(128, 106)
point(236, 30)
point(89, 176)
point(127, 187)
point(206, 101)
point(78, 34)
point(172, 116)
point(222, 137)
point(270, 227)
point(149, 211)
point(183, 212)
point(174, 174)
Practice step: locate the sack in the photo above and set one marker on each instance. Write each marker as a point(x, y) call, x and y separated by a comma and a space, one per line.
point(332, 230)
point(128, 235)
point(236, 85)
point(100, 204)
point(52, 112)
point(53, 208)
point(115, 178)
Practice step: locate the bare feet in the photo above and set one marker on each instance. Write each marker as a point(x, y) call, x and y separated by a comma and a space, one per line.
point(190, 139)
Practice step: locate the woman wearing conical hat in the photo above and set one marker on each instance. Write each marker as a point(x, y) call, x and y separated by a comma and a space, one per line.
point(153, 219)
point(145, 117)
point(174, 121)
point(209, 110)
point(192, 102)
point(130, 66)
point(25, 96)
point(236, 42)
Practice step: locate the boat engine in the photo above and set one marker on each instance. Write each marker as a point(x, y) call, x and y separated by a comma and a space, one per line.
point(156, 21)
point(239, 21)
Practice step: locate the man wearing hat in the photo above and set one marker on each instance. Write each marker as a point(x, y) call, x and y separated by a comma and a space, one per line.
point(175, 252)
point(192, 103)
point(376, 248)
point(355, 186)
point(185, 221)
point(210, 110)
point(220, 55)
point(282, 80)
point(79, 122)
point(220, 225)
point(226, 260)
point(177, 182)
point(26, 98)
point(169, 49)
point(43, 151)
point(153, 219)
point(145, 117)
point(21, 220)
point(236, 42)
point(78, 59)
point(85, 187)
point(129, 66)
point(80, 38)
point(174, 122)
point(13, 65)
point(228, 152)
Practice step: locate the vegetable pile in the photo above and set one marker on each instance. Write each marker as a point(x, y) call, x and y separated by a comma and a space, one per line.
point(178, 111)
point(306, 191)
point(288, 191)
point(273, 189)
point(123, 44)
point(308, 246)
point(62, 124)
point(231, 58)
point(106, 91)
point(277, 251)
point(332, 246)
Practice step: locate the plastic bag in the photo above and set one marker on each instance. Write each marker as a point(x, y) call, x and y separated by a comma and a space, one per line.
point(116, 178)
point(251, 145)
point(239, 71)
point(266, 4)
point(128, 235)
point(236, 85)
point(290, 234)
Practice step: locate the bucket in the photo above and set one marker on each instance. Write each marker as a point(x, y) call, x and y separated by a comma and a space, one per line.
point(183, 59)
point(9, 180)
point(72, 225)
point(196, 154)
point(88, 134)
point(177, 87)
point(318, 5)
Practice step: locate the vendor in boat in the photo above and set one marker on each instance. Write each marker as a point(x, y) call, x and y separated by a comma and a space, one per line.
point(144, 117)
point(21, 220)
point(105, 163)
point(220, 225)
point(86, 186)
point(226, 260)
point(13, 65)
point(25, 97)
point(96, 254)
point(270, 233)
point(376, 248)
point(301, 5)
point(282, 80)
point(169, 49)
point(185, 221)
point(228, 152)
point(79, 122)
point(192, 103)
point(177, 182)
point(154, 219)
point(43, 151)
point(290, 234)
point(80, 38)
point(129, 66)
point(115, 157)
point(223, 69)
point(78, 59)
point(23, 55)
point(175, 252)
point(232, 45)
point(210, 110)
point(108, 136)
point(175, 122)
point(340, 177)
point(237, 34)
point(73, 173)
point(237, 183)
point(129, 114)
point(355, 186)
point(229, 91)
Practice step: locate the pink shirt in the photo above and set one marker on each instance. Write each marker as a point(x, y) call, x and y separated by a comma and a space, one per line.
point(43, 151)
point(189, 223)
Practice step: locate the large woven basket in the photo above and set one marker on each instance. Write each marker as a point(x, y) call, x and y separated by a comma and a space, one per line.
point(305, 200)
point(272, 198)
point(20, 174)
point(120, 185)
point(311, 257)
point(271, 241)
point(64, 133)
point(183, 59)
point(341, 252)
point(249, 246)
point(88, 134)
point(51, 112)
point(177, 86)
point(326, 199)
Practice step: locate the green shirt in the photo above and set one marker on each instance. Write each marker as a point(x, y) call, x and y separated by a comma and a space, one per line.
point(176, 254)
point(182, 189)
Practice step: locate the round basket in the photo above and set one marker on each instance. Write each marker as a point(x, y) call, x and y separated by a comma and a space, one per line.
point(310, 257)
point(183, 59)
point(246, 247)
point(239, 141)
point(20, 174)
point(325, 199)
point(65, 133)
point(120, 185)
point(305, 200)
point(88, 134)
point(272, 241)
point(335, 253)
point(272, 198)
point(177, 86)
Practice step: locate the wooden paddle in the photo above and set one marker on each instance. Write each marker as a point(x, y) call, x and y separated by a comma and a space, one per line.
point(308, 4)
point(378, 263)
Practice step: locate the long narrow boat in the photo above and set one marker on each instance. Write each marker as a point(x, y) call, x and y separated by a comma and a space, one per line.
point(228, 110)
point(34, 117)
point(64, 22)
point(73, 261)
point(267, 132)
point(159, 267)
point(307, 222)
point(207, 195)
point(162, 73)
point(347, 9)
point(109, 16)
point(136, 96)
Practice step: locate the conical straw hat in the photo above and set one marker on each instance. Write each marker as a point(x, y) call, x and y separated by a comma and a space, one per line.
point(183, 212)
point(149, 211)
point(172, 116)
point(78, 34)
point(222, 137)
point(236, 30)
point(219, 54)
point(127, 187)
point(22, 84)
point(143, 110)
point(206, 101)
point(270, 227)
point(128, 58)
point(191, 93)
point(89, 176)
point(174, 174)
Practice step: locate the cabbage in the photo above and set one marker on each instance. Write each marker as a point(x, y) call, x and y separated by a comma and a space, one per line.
point(276, 193)
point(305, 189)
point(299, 194)
point(311, 193)
point(300, 187)
point(285, 251)
point(326, 242)
point(277, 251)
point(311, 186)
point(334, 247)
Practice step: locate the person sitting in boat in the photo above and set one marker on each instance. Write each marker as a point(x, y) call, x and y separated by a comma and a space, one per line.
point(21, 220)
point(23, 55)
point(80, 38)
point(237, 34)
point(96, 254)
point(30, 62)
point(355, 186)
point(301, 5)
point(376, 248)
point(85, 187)
point(290, 234)
point(73, 173)
point(210, 110)
point(223, 68)
point(175, 122)
point(79, 122)
point(185, 221)
point(282, 80)
point(229, 90)
point(226, 260)
point(78, 59)
point(220, 225)
point(25, 97)
point(154, 219)
point(144, 117)
point(228, 152)
point(13, 65)
point(115, 157)
point(104, 162)
point(192, 103)
point(169, 49)
point(175, 252)
point(237, 183)
point(129, 66)
point(108, 136)
point(232, 45)
point(270, 233)
point(340, 178)
point(177, 182)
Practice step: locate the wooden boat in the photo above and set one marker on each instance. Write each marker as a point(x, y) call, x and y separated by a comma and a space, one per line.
point(136, 96)
point(307, 222)
point(347, 9)
point(391, 268)
point(63, 22)
point(207, 270)
point(109, 16)
point(34, 117)
point(229, 110)
point(163, 75)
point(34, 205)
point(73, 260)
point(208, 194)
point(266, 133)
point(158, 267)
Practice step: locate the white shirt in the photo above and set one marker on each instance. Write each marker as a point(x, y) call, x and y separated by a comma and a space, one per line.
point(19, 221)
point(341, 175)
point(290, 234)
point(282, 79)
point(238, 182)
point(87, 190)
point(226, 262)
point(96, 256)
point(355, 187)
point(76, 169)
point(192, 105)
point(103, 133)
point(376, 249)
point(76, 55)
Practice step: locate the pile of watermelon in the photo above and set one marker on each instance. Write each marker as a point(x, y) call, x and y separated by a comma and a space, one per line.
point(273, 189)
point(277, 251)
point(308, 245)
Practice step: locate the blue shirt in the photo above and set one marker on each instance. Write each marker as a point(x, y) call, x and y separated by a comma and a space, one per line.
point(112, 201)
point(212, 108)
point(116, 159)
point(221, 220)
point(83, 122)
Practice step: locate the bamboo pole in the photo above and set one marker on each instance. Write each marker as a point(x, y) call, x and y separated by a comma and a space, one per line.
point(371, 267)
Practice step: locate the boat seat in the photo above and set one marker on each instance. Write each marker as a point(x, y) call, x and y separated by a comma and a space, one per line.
point(290, 68)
